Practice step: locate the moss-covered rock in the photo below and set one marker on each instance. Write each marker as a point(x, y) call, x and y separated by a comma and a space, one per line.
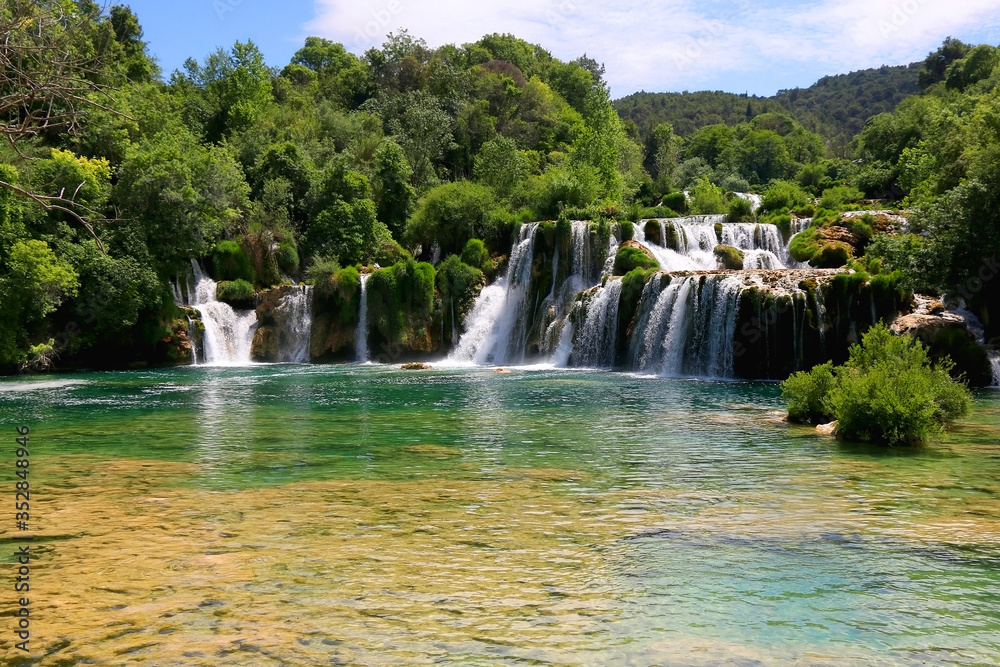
point(230, 263)
point(652, 232)
point(729, 257)
point(237, 293)
point(632, 256)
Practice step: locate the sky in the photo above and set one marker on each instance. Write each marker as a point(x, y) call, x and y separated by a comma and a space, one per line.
point(754, 46)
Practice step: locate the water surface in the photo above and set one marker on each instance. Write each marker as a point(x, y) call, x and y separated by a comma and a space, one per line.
point(276, 515)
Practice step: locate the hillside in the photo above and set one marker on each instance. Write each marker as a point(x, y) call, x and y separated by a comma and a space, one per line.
point(836, 107)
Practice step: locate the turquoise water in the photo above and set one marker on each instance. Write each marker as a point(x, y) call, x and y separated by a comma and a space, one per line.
point(362, 514)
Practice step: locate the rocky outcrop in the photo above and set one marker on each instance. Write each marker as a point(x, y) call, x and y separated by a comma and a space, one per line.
point(947, 334)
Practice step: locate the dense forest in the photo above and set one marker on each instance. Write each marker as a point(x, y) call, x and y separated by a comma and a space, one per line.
point(835, 107)
point(114, 175)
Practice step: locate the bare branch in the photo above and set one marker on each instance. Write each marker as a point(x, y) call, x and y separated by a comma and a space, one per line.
point(62, 204)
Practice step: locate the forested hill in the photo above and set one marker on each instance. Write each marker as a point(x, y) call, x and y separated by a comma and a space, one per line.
point(836, 107)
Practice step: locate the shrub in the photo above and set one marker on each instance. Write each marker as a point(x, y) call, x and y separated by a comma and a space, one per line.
point(889, 392)
point(707, 198)
point(230, 262)
point(740, 210)
point(832, 255)
point(475, 254)
point(807, 392)
point(321, 272)
point(287, 256)
point(676, 201)
point(838, 197)
point(237, 293)
point(453, 213)
point(630, 258)
point(784, 195)
point(458, 284)
point(627, 231)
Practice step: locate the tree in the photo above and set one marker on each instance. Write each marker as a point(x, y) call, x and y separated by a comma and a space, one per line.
point(237, 84)
point(50, 76)
point(177, 197)
point(395, 198)
point(34, 284)
point(500, 166)
point(451, 214)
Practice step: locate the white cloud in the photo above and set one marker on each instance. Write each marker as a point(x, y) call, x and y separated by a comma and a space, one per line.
point(675, 44)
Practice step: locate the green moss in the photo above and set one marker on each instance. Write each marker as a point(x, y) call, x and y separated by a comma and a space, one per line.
point(237, 293)
point(729, 257)
point(401, 302)
point(626, 231)
point(630, 258)
point(832, 255)
point(459, 284)
point(652, 232)
point(230, 262)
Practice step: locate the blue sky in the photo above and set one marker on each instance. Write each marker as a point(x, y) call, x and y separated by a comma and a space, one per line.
point(755, 46)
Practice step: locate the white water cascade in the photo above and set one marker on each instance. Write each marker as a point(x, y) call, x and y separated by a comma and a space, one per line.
point(228, 333)
point(761, 244)
point(295, 311)
point(595, 344)
point(995, 362)
point(361, 332)
point(496, 330)
point(687, 328)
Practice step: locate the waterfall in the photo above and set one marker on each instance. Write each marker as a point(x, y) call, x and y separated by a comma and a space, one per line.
point(995, 362)
point(820, 318)
point(760, 244)
point(581, 263)
point(595, 344)
point(497, 327)
point(295, 312)
point(228, 333)
point(361, 332)
point(689, 328)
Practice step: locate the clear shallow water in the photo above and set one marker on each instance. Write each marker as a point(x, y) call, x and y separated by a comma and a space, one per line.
point(325, 515)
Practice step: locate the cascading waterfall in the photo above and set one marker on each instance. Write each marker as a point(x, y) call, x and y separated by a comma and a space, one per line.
point(995, 362)
point(761, 244)
point(688, 328)
point(755, 200)
point(228, 333)
point(295, 311)
point(595, 344)
point(361, 332)
point(496, 329)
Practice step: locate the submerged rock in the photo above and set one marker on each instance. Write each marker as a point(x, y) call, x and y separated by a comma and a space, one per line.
point(416, 367)
point(827, 429)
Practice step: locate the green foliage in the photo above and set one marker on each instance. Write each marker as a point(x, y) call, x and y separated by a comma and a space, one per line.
point(177, 197)
point(230, 262)
point(345, 227)
point(740, 210)
point(476, 255)
point(321, 274)
point(675, 201)
point(807, 395)
point(500, 166)
point(237, 85)
point(237, 293)
point(33, 284)
point(890, 392)
point(400, 301)
point(287, 256)
point(452, 214)
point(395, 198)
point(837, 198)
point(459, 285)
point(630, 258)
point(707, 198)
point(783, 195)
